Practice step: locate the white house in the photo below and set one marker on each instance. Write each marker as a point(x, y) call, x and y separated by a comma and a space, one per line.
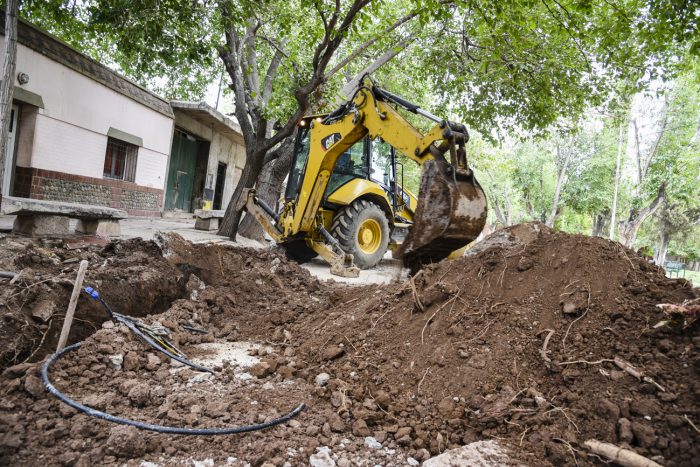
point(83, 133)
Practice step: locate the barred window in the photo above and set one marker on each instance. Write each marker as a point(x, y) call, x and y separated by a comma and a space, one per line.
point(120, 160)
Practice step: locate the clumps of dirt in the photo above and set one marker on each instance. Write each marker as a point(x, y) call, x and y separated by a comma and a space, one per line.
point(33, 305)
point(457, 353)
point(516, 342)
point(235, 295)
point(137, 278)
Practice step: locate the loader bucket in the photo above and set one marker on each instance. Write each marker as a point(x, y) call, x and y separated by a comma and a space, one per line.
point(451, 213)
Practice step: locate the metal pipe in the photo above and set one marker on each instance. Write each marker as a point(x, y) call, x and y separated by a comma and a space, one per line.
point(267, 209)
point(7, 274)
point(413, 108)
point(329, 238)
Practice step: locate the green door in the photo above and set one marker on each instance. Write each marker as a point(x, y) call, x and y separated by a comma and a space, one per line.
point(183, 159)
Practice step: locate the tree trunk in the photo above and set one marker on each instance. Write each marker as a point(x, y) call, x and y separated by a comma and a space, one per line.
point(232, 217)
point(508, 210)
point(557, 191)
point(269, 188)
point(637, 151)
point(663, 248)
point(599, 224)
point(617, 185)
point(8, 80)
point(497, 210)
point(630, 227)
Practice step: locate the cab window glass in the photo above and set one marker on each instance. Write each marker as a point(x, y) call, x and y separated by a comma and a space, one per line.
point(352, 161)
point(301, 156)
point(381, 166)
point(351, 164)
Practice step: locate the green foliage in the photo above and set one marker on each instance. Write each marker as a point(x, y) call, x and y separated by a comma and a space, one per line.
point(517, 73)
point(523, 66)
point(535, 178)
point(529, 64)
point(591, 185)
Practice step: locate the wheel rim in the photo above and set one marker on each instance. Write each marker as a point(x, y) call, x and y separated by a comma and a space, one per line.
point(369, 236)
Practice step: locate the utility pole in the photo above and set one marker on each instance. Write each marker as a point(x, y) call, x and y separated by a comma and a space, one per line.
point(8, 80)
point(617, 184)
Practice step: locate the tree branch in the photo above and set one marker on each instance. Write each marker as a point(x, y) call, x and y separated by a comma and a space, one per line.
point(368, 44)
point(568, 31)
point(270, 77)
point(251, 60)
point(349, 89)
point(230, 58)
point(322, 54)
point(659, 137)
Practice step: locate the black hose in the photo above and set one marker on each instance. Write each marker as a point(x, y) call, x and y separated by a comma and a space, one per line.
point(148, 426)
point(193, 329)
point(7, 274)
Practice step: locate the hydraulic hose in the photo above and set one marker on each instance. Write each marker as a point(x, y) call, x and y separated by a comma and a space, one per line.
point(149, 426)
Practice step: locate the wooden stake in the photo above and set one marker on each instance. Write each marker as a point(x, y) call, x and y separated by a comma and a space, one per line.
point(77, 286)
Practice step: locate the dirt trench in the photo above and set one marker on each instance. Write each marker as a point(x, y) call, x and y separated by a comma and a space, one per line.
point(454, 355)
point(135, 277)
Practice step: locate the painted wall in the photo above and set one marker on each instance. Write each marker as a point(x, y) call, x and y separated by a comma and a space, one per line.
point(70, 132)
point(221, 149)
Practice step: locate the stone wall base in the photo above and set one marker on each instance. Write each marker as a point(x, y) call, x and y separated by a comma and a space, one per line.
point(59, 186)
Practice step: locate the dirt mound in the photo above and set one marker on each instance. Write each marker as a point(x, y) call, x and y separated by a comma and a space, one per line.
point(456, 354)
point(236, 294)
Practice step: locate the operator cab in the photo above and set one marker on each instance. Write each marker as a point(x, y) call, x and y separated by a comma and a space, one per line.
point(367, 159)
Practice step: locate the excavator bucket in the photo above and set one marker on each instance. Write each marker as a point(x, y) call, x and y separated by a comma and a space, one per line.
point(451, 213)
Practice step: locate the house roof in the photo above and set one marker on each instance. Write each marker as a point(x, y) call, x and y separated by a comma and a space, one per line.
point(46, 44)
point(209, 116)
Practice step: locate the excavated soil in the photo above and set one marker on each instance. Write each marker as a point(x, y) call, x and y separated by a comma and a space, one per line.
point(455, 355)
point(132, 273)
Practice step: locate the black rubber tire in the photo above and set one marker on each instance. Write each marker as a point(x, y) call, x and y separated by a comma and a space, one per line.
point(346, 225)
point(298, 251)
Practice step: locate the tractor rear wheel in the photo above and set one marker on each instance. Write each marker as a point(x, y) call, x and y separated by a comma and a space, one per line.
point(362, 230)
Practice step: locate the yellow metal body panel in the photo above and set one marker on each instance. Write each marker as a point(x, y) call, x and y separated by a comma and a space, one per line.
point(355, 188)
point(374, 118)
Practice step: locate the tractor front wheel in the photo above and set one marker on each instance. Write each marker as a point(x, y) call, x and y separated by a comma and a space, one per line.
point(362, 230)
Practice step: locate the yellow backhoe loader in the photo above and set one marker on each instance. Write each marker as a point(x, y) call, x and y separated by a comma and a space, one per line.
point(346, 202)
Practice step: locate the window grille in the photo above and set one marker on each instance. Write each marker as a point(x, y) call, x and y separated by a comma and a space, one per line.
point(120, 160)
